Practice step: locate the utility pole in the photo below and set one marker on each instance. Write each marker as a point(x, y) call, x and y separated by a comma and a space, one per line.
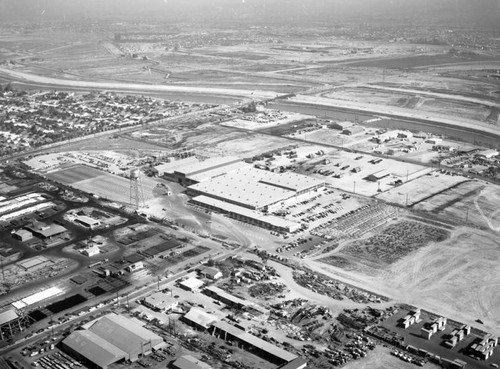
point(354, 190)
point(3, 274)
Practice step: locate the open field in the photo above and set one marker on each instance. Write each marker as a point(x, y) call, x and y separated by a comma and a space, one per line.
point(457, 278)
point(422, 61)
point(419, 189)
point(102, 184)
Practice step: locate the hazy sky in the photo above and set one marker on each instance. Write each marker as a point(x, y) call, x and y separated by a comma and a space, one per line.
point(254, 9)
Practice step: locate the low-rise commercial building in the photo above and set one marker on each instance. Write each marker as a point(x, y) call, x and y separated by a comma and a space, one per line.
point(160, 301)
point(192, 284)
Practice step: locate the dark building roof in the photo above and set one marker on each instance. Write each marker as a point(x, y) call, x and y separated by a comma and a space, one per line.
point(45, 231)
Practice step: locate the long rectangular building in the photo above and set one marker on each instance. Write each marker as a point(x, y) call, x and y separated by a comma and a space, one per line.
point(253, 217)
point(246, 340)
point(256, 189)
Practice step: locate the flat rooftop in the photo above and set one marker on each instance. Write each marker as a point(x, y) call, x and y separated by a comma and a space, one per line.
point(255, 188)
point(245, 212)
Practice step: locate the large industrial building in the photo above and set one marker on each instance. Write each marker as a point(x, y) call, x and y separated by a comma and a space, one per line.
point(191, 170)
point(256, 189)
point(257, 345)
point(240, 191)
point(110, 339)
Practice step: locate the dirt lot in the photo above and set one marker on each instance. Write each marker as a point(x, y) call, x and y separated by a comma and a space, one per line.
point(102, 184)
point(457, 278)
point(413, 192)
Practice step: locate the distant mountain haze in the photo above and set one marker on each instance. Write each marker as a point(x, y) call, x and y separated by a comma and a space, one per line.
point(251, 10)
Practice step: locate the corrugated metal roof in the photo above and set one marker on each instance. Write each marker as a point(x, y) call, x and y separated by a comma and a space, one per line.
point(8, 316)
point(94, 348)
point(255, 341)
point(200, 317)
point(124, 333)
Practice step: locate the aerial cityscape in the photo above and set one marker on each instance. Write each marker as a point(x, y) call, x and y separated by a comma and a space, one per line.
point(267, 184)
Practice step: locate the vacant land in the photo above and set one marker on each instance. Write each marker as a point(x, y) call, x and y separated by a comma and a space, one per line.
point(102, 184)
point(457, 278)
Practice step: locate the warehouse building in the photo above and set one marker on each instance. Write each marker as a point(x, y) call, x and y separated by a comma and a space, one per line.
point(93, 350)
point(271, 222)
point(256, 189)
point(340, 125)
point(22, 235)
point(87, 222)
point(202, 171)
point(224, 297)
point(198, 319)
point(354, 130)
point(252, 343)
point(377, 176)
point(110, 339)
point(44, 231)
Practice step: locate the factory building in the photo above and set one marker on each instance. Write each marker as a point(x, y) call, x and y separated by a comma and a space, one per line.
point(22, 235)
point(377, 176)
point(198, 319)
point(202, 171)
point(87, 222)
point(224, 297)
point(250, 342)
point(271, 222)
point(248, 194)
point(110, 339)
point(45, 231)
point(256, 189)
point(232, 187)
point(353, 130)
point(341, 126)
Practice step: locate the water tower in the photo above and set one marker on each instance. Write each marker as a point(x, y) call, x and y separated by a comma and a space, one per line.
point(136, 193)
